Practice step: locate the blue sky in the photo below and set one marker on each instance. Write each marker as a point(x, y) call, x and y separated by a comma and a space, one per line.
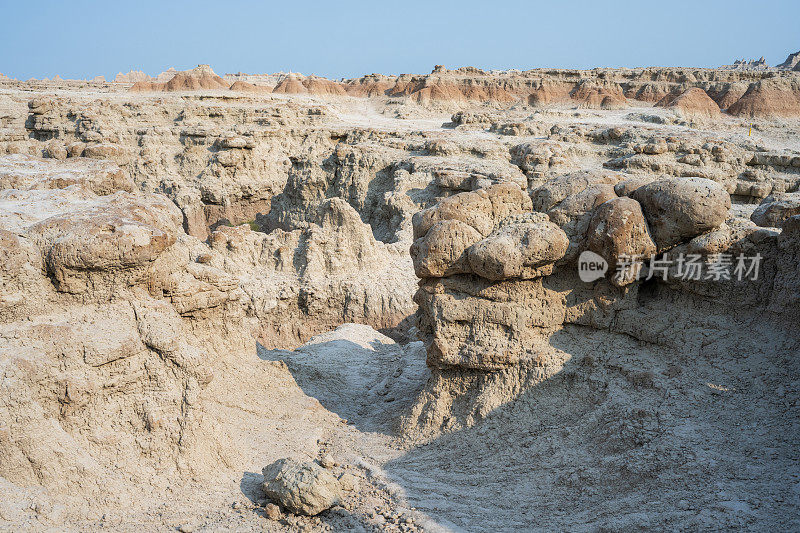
point(350, 38)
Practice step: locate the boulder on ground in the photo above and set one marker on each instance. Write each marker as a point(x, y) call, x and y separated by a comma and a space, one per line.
point(301, 487)
point(628, 186)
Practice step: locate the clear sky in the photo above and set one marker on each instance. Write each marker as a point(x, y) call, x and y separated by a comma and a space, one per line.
point(77, 38)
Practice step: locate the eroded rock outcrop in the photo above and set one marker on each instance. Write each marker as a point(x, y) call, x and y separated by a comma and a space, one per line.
point(209, 220)
point(200, 77)
point(776, 209)
point(769, 98)
point(761, 94)
point(693, 102)
point(115, 330)
point(493, 330)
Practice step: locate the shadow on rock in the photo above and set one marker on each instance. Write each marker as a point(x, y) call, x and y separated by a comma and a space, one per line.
point(618, 439)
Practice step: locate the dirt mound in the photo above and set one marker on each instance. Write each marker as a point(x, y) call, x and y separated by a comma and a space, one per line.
point(371, 85)
point(323, 86)
point(199, 78)
point(243, 86)
point(769, 99)
point(693, 102)
point(728, 94)
point(599, 96)
point(290, 85)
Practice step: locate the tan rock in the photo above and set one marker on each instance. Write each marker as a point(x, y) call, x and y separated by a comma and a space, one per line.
point(302, 488)
point(680, 209)
point(774, 210)
point(693, 102)
point(525, 249)
point(618, 228)
point(482, 209)
point(442, 251)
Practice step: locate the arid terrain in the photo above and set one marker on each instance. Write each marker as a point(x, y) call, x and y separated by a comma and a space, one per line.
point(378, 280)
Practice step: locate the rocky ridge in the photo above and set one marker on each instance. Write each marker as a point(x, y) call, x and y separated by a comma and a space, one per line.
point(595, 89)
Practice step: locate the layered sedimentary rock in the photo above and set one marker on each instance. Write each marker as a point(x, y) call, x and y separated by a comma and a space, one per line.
point(693, 102)
point(200, 77)
point(769, 98)
point(162, 234)
point(290, 85)
point(608, 89)
point(771, 94)
point(505, 321)
point(113, 327)
point(791, 63)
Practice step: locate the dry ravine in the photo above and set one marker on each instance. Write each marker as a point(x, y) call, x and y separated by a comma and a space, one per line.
point(287, 303)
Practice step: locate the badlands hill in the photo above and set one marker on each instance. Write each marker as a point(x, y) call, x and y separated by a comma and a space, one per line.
point(308, 309)
point(200, 77)
point(691, 102)
point(133, 76)
point(763, 92)
point(792, 62)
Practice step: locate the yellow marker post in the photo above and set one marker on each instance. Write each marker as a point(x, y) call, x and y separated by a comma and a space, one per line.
point(750, 131)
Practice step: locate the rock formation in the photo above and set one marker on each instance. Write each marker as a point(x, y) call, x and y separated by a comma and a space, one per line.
point(134, 76)
point(748, 64)
point(81, 358)
point(769, 98)
point(191, 284)
point(200, 77)
point(776, 209)
point(166, 75)
point(303, 488)
point(693, 102)
point(500, 328)
point(290, 85)
point(791, 63)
